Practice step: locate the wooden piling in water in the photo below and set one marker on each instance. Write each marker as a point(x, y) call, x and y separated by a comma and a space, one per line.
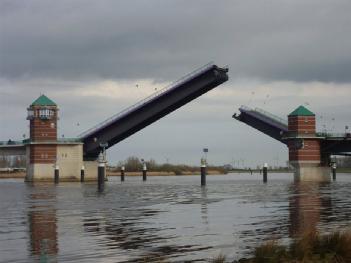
point(203, 174)
point(265, 172)
point(101, 175)
point(82, 174)
point(144, 172)
point(122, 173)
point(57, 174)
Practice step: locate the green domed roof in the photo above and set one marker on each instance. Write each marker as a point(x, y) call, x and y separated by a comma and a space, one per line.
point(302, 111)
point(43, 101)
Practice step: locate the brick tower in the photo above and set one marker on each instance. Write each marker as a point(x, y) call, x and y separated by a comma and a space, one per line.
point(305, 147)
point(42, 147)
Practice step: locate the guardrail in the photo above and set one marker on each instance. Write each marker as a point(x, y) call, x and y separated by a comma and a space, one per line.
point(272, 116)
point(27, 141)
point(10, 142)
point(142, 102)
point(266, 115)
point(333, 135)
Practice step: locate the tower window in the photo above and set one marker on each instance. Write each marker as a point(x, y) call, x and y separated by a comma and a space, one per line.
point(30, 114)
point(45, 113)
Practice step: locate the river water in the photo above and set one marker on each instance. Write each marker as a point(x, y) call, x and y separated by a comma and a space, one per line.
point(166, 218)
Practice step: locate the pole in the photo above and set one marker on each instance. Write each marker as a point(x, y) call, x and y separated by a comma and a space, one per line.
point(334, 171)
point(265, 170)
point(101, 176)
point(203, 174)
point(144, 172)
point(122, 173)
point(82, 173)
point(57, 174)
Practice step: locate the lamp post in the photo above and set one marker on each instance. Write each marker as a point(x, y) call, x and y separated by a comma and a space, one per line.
point(104, 145)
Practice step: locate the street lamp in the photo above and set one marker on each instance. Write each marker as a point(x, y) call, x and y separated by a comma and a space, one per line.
point(104, 146)
point(205, 151)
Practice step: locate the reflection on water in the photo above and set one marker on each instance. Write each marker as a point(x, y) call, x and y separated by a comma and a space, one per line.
point(166, 218)
point(43, 226)
point(305, 207)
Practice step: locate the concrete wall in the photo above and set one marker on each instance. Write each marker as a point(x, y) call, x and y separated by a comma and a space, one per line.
point(40, 172)
point(91, 170)
point(311, 172)
point(70, 161)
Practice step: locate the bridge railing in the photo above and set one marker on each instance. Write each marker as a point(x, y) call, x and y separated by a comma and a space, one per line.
point(10, 142)
point(272, 116)
point(267, 116)
point(140, 103)
point(333, 135)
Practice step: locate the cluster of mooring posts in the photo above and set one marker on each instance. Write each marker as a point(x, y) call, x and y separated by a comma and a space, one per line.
point(203, 172)
point(265, 172)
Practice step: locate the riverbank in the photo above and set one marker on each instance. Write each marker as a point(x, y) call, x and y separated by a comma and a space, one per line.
point(12, 175)
point(163, 173)
point(312, 247)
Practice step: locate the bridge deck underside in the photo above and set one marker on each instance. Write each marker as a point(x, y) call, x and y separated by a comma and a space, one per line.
point(263, 126)
point(153, 110)
point(337, 146)
point(12, 150)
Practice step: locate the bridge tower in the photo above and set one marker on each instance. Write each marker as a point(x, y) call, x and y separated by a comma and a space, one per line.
point(305, 147)
point(42, 146)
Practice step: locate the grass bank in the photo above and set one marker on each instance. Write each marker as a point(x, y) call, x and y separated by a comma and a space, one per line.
point(310, 248)
point(6, 175)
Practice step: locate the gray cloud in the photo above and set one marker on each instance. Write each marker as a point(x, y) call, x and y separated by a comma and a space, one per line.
point(290, 40)
point(279, 47)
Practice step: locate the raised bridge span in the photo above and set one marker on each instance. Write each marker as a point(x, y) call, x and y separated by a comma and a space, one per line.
point(277, 128)
point(152, 108)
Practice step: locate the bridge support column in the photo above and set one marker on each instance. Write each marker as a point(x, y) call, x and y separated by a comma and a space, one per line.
point(305, 151)
point(311, 172)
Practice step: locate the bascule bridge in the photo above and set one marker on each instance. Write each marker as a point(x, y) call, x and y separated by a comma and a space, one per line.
point(45, 151)
point(309, 150)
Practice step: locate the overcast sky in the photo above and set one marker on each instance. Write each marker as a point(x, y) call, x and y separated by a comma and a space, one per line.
point(88, 56)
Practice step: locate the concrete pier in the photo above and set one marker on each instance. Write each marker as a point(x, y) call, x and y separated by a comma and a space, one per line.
point(310, 172)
